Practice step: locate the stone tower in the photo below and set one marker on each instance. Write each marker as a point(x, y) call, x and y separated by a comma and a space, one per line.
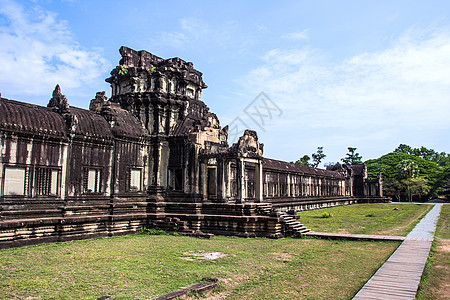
point(165, 95)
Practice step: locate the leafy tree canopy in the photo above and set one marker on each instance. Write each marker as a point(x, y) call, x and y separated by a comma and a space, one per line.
point(441, 158)
point(387, 164)
point(407, 168)
point(317, 157)
point(352, 157)
point(304, 160)
point(409, 172)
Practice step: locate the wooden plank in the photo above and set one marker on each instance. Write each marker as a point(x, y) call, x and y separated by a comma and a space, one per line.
point(399, 277)
point(356, 236)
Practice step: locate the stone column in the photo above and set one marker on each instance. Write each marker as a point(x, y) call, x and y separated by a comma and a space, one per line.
point(288, 185)
point(203, 183)
point(380, 185)
point(258, 182)
point(228, 178)
point(221, 192)
point(160, 158)
point(163, 163)
point(240, 178)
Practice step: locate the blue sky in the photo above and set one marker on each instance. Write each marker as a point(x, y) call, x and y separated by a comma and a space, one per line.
point(366, 74)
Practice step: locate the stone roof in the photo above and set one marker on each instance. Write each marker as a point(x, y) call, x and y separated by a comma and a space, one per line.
point(195, 120)
point(30, 118)
point(35, 119)
point(90, 124)
point(279, 165)
point(125, 124)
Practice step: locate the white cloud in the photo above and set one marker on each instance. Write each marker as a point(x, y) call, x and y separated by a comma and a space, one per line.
point(38, 51)
point(191, 29)
point(372, 100)
point(194, 33)
point(301, 35)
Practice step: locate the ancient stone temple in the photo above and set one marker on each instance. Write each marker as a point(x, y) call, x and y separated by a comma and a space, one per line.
point(151, 155)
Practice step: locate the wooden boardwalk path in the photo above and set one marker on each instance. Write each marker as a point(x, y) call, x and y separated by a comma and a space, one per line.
point(399, 276)
point(350, 236)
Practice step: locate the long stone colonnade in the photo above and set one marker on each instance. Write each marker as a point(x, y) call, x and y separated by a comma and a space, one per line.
point(151, 155)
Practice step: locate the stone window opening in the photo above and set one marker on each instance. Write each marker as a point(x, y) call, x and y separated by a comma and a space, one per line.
point(134, 179)
point(212, 182)
point(15, 181)
point(47, 181)
point(92, 180)
point(250, 189)
point(176, 179)
point(270, 187)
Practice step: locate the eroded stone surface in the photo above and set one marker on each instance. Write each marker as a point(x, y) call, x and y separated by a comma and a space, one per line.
point(151, 155)
point(209, 255)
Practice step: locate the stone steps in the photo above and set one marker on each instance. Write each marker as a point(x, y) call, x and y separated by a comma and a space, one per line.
point(291, 226)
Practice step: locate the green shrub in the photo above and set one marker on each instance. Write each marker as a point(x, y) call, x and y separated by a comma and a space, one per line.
point(123, 70)
point(152, 231)
point(326, 214)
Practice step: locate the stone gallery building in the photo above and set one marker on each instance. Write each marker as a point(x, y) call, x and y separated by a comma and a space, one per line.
point(152, 155)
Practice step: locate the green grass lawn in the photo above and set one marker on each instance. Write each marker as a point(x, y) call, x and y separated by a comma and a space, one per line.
point(443, 225)
point(379, 218)
point(144, 266)
point(435, 279)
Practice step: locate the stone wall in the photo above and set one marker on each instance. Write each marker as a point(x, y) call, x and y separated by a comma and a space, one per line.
point(151, 154)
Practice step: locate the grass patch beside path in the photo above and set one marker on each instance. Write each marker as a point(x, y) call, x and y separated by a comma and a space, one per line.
point(443, 225)
point(142, 266)
point(374, 218)
point(435, 278)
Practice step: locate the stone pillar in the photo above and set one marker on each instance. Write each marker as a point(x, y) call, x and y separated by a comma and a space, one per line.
point(380, 185)
point(203, 183)
point(228, 178)
point(350, 186)
point(160, 159)
point(301, 188)
point(258, 182)
point(195, 173)
point(288, 185)
point(163, 163)
point(240, 180)
point(221, 190)
point(321, 186)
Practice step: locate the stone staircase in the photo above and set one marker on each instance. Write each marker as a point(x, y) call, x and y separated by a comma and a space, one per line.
point(291, 227)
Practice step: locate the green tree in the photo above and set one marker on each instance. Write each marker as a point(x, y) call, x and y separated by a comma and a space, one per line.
point(304, 160)
point(393, 179)
point(407, 168)
point(416, 186)
point(402, 148)
point(388, 162)
point(352, 157)
point(317, 157)
point(441, 158)
point(393, 187)
point(443, 183)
